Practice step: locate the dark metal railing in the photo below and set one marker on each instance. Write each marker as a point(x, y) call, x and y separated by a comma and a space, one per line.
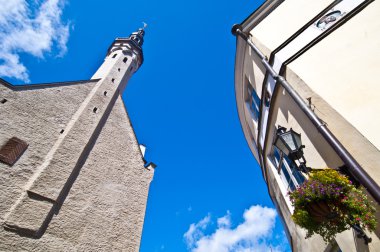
point(354, 168)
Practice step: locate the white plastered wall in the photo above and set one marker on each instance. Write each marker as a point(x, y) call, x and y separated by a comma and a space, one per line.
point(283, 22)
point(342, 70)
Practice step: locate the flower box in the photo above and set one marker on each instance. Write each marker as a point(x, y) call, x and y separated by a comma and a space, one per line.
point(328, 203)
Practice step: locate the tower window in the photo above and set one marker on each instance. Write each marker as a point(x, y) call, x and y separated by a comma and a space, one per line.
point(113, 80)
point(62, 130)
point(125, 59)
point(4, 101)
point(114, 56)
point(105, 93)
point(118, 69)
point(95, 109)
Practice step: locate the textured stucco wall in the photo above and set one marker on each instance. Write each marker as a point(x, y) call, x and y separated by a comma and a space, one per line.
point(36, 116)
point(105, 207)
point(83, 189)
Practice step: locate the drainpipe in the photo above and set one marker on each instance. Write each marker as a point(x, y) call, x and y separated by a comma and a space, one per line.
point(354, 168)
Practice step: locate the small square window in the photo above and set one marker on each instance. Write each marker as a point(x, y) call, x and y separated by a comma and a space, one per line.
point(12, 150)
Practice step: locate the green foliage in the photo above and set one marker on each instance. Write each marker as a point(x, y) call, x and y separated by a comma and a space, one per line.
point(346, 205)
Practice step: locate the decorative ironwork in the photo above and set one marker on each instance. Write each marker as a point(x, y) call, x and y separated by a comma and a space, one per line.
point(361, 234)
point(289, 143)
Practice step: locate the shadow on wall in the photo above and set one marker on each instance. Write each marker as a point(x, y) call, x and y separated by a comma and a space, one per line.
point(311, 138)
point(37, 233)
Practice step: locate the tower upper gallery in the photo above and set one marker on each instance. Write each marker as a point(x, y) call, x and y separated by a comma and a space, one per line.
point(124, 57)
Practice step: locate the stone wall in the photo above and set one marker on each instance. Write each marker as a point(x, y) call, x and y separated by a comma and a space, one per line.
point(102, 203)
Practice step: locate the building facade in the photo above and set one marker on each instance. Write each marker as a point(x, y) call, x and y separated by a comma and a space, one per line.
point(311, 66)
point(72, 174)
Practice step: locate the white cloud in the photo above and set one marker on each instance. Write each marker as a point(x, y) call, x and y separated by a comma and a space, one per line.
point(29, 27)
point(195, 231)
point(225, 221)
point(253, 234)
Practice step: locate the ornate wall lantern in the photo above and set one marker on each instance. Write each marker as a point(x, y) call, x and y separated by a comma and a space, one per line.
point(290, 144)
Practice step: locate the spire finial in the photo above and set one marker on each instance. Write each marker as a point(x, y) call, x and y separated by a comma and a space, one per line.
point(145, 25)
point(138, 36)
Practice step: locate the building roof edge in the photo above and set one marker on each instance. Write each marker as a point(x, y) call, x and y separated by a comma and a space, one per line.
point(44, 85)
point(260, 13)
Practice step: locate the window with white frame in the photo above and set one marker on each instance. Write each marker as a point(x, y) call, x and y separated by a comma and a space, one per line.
point(290, 175)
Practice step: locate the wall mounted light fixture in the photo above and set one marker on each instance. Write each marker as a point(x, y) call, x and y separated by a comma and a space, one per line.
point(290, 144)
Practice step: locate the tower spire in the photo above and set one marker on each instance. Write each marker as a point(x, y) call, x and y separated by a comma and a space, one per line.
point(138, 36)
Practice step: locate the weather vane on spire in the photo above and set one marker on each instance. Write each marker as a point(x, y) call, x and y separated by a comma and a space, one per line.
point(145, 25)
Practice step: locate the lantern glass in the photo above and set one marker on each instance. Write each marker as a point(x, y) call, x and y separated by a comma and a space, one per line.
point(281, 145)
point(289, 142)
point(297, 139)
point(288, 138)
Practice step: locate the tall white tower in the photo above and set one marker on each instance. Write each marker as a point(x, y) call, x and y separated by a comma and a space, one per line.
point(72, 176)
point(124, 57)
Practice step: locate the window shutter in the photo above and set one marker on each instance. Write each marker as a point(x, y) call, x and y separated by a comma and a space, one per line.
point(12, 150)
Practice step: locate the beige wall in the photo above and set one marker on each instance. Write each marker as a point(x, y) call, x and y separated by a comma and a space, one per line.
point(241, 96)
point(297, 235)
point(339, 75)
point(342, 70)
point(284, 21)
point(318, 155)
point(317, 152)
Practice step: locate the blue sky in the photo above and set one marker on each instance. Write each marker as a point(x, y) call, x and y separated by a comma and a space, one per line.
point(207, 187)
